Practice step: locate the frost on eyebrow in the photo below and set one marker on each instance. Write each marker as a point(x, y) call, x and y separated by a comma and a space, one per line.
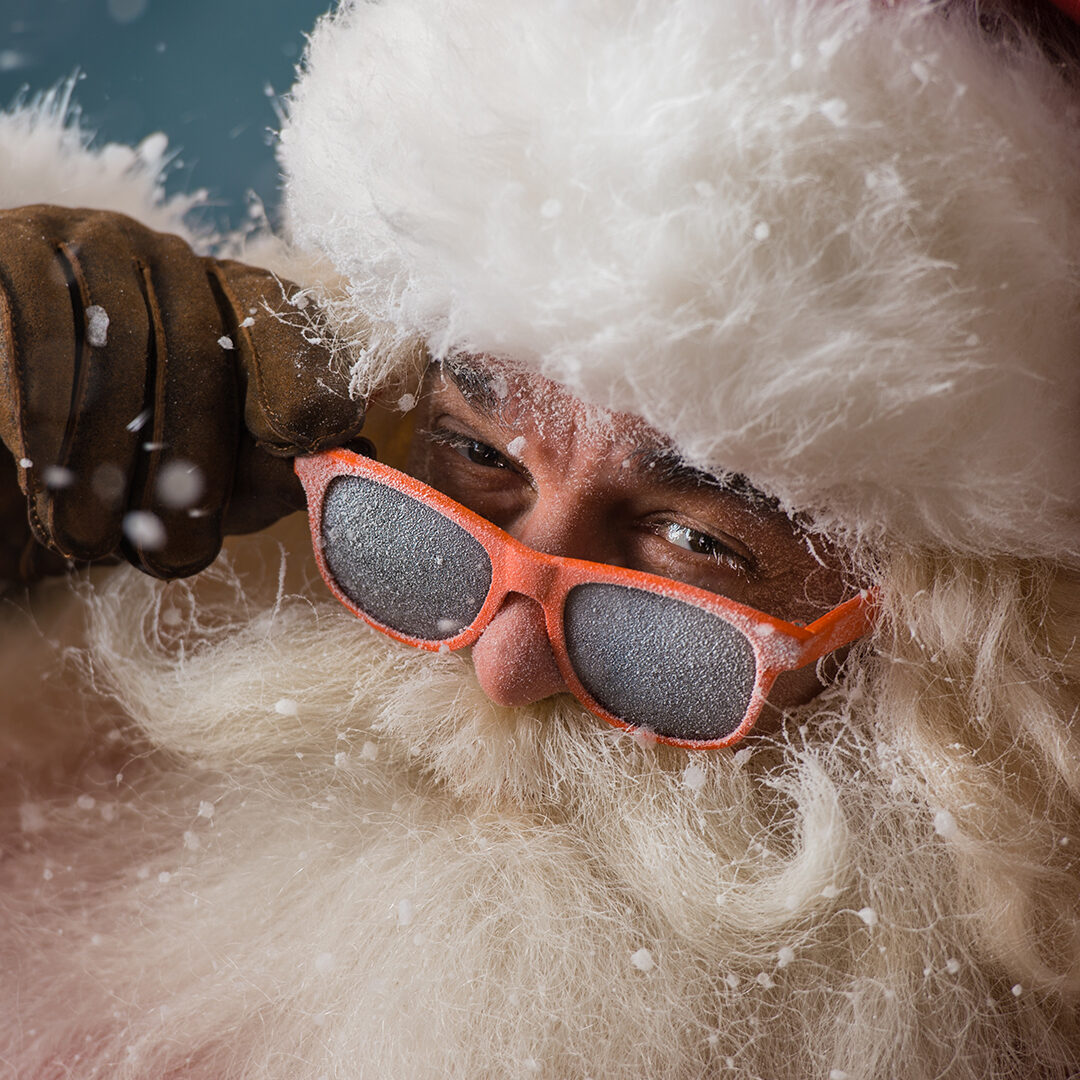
point(485, 390)
point(667, 465)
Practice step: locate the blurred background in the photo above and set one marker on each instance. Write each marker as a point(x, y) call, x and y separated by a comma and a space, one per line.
point(205, 72)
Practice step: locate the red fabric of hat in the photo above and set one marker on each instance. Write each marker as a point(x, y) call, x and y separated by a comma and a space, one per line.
point(1070, 7)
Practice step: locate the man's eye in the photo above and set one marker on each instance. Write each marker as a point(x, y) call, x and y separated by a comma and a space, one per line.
point(475, 451)
point(700, 543)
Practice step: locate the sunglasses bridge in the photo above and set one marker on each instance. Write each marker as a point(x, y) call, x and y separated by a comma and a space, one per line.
point(623, 621)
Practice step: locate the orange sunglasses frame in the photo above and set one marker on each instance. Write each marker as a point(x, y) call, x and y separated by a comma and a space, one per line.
point(778, 645)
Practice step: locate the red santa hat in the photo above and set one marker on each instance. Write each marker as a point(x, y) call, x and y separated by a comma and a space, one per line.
point(1070, 7)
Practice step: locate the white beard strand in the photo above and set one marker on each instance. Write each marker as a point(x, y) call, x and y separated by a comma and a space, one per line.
point(292, 848)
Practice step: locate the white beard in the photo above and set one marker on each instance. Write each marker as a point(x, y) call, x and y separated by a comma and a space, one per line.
point(260, 840)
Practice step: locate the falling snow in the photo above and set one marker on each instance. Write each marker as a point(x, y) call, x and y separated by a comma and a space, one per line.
point(226, 342)
point(286, 707)
point(57, 478)
point(144, 530)
point(785, 956)
point(97, 326)
point(125, 11)
point(868, 916)
point(643, 960)
point(180, 484)
point(139, 422)
point(10, 60)
point(945, 825)
point(693, 777)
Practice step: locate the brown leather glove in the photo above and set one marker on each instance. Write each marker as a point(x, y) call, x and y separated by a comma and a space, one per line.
point(150, 399)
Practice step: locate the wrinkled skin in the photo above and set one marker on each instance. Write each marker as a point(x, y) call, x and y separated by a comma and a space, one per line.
point(569, 480)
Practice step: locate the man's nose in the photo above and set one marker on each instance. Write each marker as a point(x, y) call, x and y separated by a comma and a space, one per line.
point(513, 657)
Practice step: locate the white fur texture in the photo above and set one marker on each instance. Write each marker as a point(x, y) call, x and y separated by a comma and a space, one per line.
point(48, 158)
point(832, 246)
point(244, 836)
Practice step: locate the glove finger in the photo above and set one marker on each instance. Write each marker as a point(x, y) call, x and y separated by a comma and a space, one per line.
point(184, 478)
point(266, 488)
point(102, 438)
point(296, 399)
point(40, 357)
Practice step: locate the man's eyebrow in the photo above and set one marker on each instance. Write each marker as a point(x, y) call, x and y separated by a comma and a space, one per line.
point(667, 465)
point(477, 387)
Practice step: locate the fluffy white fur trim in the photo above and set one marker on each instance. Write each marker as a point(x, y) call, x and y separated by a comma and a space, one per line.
point(832, 246)
point(48, 158)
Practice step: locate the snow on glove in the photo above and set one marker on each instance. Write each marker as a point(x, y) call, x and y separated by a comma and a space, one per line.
point(150, 399)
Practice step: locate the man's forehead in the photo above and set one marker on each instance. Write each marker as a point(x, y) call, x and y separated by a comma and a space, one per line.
point(504, 393)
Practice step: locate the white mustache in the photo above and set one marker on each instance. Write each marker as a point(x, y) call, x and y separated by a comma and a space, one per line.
point(332, 855)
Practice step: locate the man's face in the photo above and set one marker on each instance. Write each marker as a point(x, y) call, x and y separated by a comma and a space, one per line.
point(295, 844)
point(576, 481)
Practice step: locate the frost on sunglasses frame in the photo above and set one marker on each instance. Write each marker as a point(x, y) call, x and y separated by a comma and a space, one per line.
point(688, 667)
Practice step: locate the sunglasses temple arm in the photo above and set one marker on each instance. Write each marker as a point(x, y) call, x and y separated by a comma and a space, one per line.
point(841, 626)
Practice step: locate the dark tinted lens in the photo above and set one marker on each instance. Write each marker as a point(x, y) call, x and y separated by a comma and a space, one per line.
point(401, 562)
point(659, 663)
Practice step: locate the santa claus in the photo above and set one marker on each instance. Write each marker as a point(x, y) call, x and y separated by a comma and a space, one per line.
point(689, 688)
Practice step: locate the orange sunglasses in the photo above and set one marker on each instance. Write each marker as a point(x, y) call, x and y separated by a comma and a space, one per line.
point(688, 667)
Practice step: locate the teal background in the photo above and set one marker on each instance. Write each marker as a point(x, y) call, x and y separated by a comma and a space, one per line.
point(203, 71)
